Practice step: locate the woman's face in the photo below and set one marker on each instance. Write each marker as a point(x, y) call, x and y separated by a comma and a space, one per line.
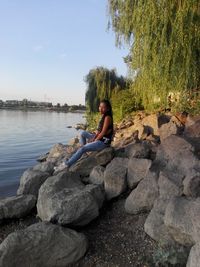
point(103, 108)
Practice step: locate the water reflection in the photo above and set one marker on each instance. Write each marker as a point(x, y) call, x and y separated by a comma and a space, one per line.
point(24, 136)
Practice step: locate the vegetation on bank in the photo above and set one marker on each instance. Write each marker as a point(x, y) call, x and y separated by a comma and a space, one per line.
point(163, 38)
point(33, 105)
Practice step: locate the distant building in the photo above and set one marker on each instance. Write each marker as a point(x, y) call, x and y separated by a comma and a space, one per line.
point(26, 103)
point(11, 103)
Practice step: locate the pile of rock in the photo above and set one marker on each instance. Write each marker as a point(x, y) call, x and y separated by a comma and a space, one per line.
point(155, 157)
point(62, 201)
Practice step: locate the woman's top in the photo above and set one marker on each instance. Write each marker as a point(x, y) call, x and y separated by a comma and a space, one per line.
point(107, 138)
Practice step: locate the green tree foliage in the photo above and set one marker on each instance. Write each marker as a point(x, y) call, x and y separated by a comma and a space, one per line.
point(102, 83)
point(123, 103)
point(164, 41)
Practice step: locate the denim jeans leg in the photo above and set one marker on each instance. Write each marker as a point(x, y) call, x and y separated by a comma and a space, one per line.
point(94, 146)
point(84, 136)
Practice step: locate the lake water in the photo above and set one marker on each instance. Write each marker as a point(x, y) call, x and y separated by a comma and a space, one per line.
point(24, 136)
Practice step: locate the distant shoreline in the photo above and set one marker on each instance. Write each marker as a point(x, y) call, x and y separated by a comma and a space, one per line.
point(53, 109)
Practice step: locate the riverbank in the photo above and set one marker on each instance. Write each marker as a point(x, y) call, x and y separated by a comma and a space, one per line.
point(53, 109)
point(130, 203)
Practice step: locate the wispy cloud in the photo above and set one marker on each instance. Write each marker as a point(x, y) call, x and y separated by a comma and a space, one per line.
point(63, 55)
point(38, 48)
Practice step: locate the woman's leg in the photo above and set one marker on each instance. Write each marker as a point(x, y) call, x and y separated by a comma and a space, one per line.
point(84, 135)
point(93, 146)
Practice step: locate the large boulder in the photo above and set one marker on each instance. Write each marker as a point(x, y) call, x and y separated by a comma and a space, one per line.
point(176, 154)
point(170, 128)
point(154, 225)
point(137, 150)
point(74, 141)
point(115, 177)
point(143, 196)
point(44, 167)
point(31, 181)
point(137, 170)
point(182, 218)
point(17, 206)
point(65, 200)
point(191, 184)
point(57, 153)
point(152, 122)
point(194, 256)
point(170, 184)
point(192, 127)
point(98, 193)
point(97, 175)
point(192, 132)
point(42, 244)
point(85, 165)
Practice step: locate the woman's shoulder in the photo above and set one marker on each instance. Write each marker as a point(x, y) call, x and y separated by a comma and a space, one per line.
point(108, 116)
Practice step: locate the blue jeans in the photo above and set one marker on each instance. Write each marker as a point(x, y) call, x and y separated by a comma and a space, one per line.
point(84, 136)
point(93, 146)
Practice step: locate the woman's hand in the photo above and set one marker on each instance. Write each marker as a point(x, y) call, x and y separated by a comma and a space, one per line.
point(91, 140)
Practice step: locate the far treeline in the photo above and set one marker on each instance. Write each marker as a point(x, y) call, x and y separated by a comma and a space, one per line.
point(163, 38)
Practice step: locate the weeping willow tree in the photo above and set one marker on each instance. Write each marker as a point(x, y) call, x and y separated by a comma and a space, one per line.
point(102, 83)
point(164, 41)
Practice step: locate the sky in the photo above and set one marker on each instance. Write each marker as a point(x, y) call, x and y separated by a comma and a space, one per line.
point(47, 47)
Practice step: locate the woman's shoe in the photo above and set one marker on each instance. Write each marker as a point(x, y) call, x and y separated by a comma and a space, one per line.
point(60, 168)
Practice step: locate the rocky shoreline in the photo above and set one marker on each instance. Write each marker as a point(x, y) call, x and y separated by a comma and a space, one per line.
point(115, 207)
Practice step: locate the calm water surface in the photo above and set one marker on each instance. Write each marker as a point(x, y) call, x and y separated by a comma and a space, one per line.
point(24, 136)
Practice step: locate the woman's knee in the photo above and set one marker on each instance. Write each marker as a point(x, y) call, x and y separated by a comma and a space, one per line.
point(82, 134)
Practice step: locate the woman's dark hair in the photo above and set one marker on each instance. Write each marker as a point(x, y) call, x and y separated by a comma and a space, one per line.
point(108, 105)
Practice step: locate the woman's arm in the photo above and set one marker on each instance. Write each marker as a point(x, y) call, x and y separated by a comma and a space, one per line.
point(107, 123)
point(93, 138)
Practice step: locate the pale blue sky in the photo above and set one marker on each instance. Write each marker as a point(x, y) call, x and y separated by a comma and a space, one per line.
point(48, 46)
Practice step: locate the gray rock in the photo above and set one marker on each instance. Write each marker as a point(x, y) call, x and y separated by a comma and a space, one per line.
point(80, 126)
point(73, 141)
point(115, 177)
point(44, 167)
point(194, 256)
point(31, 181)
point(175, 154)
point(137, 170)
point(17, 206)
point(43, 158)
point(85, 165)
point(154, 225)
point(192, 127)
point(192, 184)
point(151, 121)
point(57, 153)
point(65, 200)
point(137, 150)
point(97, 175)
point(170, 184)
point(182, 218)
point(142, 198)
point(42, 244)
point(98, 192)
point(167, 129)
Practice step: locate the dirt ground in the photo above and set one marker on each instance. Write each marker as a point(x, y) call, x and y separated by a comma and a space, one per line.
point(117, 239)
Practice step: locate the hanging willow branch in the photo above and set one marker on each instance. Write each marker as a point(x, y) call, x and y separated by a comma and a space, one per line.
point(102, 83)
point(164, 41)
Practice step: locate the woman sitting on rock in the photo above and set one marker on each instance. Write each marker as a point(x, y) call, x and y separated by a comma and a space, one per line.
point(96, 141)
